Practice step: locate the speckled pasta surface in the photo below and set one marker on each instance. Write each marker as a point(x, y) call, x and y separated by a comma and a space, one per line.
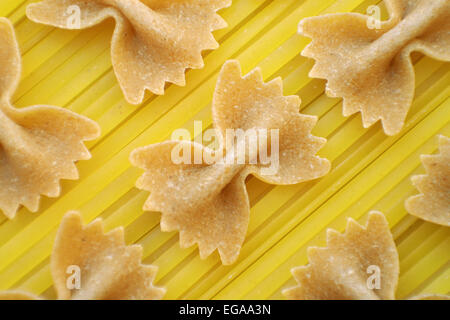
point(97, 265)
point(39, 145)
point(360, 264)
point(339, 271)
point(433, 202)
point(369, 65)
point(208, 202)
point(154, 41)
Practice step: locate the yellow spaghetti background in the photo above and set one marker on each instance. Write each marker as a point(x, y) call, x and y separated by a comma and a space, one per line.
point(72, 69)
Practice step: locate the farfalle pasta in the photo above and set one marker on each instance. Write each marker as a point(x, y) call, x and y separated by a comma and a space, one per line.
point(154, 41)
point(39, 144)
point(370, 67)
point(207, 200)
point(433, 203)
point(108, 268)
point(360, 264)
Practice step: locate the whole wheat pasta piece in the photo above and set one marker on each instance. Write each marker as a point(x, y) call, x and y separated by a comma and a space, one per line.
point(433, 202)
point(97, 265)
point(339, 271)
point(360, 264)
point(39, 145)
point(207, 200)
point(370, 66)
point(154, 41)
